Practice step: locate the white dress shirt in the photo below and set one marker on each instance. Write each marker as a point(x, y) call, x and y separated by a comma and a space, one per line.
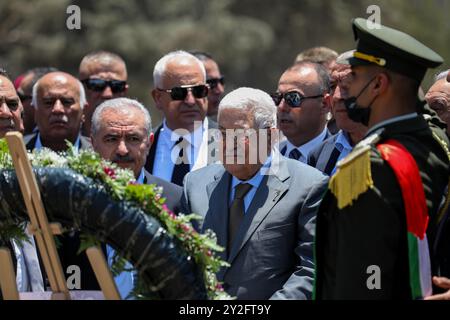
point(306, 148)
point(166, 153)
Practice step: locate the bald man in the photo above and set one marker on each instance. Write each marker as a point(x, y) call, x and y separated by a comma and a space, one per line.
point(438, 98)
point(104, 75)
point(10, 107)
point(58, 99)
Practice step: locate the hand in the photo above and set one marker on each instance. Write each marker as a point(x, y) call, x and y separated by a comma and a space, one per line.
point(444, 283)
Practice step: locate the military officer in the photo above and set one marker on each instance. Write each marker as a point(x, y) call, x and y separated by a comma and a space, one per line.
point(382, 206)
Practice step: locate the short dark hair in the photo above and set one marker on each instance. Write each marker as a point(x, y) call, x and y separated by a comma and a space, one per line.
point(319, 55)
point(201, 55)
point(322, 73)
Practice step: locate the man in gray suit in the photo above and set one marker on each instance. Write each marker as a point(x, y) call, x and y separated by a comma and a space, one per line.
point(262, 210)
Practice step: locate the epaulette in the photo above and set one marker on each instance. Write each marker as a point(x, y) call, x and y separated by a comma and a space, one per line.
point(353, 176)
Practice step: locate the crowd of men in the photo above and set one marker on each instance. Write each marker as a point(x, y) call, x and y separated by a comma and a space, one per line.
point(351, 201)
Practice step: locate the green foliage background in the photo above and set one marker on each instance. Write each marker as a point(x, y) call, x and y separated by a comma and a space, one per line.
point(253, 40)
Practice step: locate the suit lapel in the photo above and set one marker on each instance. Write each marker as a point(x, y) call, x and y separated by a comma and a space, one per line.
point(152, 153)
point(30, 145)
point(217, 216)
point(270, 191)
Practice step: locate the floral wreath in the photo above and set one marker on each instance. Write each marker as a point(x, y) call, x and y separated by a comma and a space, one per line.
point(121, 185)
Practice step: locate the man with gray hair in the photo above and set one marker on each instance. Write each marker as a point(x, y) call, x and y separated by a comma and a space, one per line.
point(122, 133)
point(438, 98)
point(262, 209)
point(180, 93)
point(58, 99)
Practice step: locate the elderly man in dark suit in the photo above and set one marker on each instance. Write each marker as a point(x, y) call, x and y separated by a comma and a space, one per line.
point(262, 207)
point(58, 99)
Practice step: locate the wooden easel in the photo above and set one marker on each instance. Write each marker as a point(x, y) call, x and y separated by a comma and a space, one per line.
point(43, 232)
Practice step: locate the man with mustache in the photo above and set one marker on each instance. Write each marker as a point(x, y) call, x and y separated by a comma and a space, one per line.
point(303, 101)
point(10, 106)
point(180, 92)
point(58, 99)
point(121, 132)
point(326, 155)
point(24, 255)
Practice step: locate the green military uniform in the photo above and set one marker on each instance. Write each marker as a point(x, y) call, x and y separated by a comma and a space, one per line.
point(362, 250)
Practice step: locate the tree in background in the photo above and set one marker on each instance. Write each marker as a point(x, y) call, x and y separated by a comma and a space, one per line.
point(253, 40)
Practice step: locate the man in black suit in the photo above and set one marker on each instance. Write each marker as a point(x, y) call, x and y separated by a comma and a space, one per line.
point(58, 99)
point(326, 155)
point(303, 100)
point(180, 93)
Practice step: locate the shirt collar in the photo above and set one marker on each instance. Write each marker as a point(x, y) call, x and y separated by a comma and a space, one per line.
point(306, 148)
point(38, 145)
point(140, 179)
point(391, 120)
point(257, 178)
point(342, 141)
point(194, 138)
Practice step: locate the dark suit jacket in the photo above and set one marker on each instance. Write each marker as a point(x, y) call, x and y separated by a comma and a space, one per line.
point(372, 229)
point(152, 153)
point(283, 147)
point(324, 157)
point(69, 243)
point(272, 254)
point(171, 191)
point(30, 142)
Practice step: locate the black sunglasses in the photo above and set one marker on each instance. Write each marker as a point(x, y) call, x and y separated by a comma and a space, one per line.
point(214, 82)
point(99, 85)
point(180, 93)
point(293, 98)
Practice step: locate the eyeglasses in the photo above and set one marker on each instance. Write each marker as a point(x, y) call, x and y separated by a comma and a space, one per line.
point(99, 85)
point(180, 93)
point(293, 98)
point(214, 82)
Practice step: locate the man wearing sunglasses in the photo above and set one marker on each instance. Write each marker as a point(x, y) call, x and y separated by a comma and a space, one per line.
point(180, 93)
point(104, 76)
point(215, 80)
point(303, 102)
